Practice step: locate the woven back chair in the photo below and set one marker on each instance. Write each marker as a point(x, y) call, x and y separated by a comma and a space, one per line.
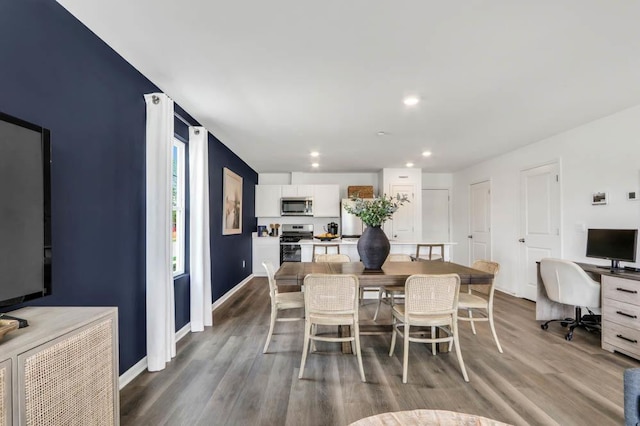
point(389, 293)
point(331, 300)
point(430, 301)
point(340, 258)
point(479, 300)
point(280, 302)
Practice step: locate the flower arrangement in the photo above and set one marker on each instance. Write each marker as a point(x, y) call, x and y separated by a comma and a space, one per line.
point(376, 211)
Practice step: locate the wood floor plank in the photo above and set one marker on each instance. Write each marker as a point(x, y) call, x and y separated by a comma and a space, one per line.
point(220, 376)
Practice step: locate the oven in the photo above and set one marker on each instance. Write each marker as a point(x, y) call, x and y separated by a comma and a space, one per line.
point(290, 251)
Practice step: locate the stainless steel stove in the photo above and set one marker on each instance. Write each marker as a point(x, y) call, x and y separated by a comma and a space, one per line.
point(292, 234)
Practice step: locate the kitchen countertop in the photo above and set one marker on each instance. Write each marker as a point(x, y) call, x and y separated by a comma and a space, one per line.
point(355, 241)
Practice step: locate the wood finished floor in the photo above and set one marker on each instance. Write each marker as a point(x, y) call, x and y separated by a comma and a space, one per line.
point(221, 376)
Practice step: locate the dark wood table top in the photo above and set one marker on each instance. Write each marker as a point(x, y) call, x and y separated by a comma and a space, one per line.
point(392, 273)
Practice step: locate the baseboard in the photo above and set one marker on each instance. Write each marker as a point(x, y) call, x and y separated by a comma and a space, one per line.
point(215, 305)
point(141, 365)
point(132, 373)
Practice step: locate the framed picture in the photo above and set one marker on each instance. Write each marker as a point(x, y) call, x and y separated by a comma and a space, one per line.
point(231, 203)
point(599, 198)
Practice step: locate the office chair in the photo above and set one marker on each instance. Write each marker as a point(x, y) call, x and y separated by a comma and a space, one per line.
point(567, 283)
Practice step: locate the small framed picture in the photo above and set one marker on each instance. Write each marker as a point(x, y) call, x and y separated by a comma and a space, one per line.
point(599, 198)
point(632, 196)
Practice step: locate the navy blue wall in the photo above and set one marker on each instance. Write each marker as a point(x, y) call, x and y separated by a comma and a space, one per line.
point(56, 73)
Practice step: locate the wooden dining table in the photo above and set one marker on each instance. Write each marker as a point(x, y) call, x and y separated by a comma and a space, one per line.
point(291, 275)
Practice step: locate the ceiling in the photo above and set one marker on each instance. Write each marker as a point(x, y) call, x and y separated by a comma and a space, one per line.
point(274, 80)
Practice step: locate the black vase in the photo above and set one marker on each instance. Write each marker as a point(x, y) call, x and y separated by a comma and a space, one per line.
point(373, 247)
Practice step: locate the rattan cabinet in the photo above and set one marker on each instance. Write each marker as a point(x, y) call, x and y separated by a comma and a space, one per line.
point(62, 369)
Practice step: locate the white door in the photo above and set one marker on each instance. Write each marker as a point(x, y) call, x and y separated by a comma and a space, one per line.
point(402, 223)
point(435, 215)
point(539, 223)
point(480, 222)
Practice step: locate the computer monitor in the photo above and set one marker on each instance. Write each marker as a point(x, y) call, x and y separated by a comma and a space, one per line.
point(613, 244)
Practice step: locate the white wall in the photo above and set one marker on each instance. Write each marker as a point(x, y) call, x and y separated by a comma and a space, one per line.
point(603, 155)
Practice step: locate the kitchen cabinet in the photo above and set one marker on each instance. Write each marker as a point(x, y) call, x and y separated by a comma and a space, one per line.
point(298, 190)
point(62, 369)
point(265, 249)
point(326, 201)
point(268, 200)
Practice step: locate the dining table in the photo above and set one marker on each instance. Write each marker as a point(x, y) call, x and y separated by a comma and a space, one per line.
point(291, 275)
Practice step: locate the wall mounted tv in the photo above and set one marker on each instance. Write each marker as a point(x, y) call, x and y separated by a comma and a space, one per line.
point(25, 211)
point(618, 245)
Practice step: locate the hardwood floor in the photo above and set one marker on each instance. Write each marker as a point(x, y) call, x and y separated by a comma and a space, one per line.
point(221, 376)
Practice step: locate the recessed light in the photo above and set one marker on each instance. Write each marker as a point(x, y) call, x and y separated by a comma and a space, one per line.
point(315, 165)
point(411, 100)
point(426, 154)
point(315, 153)
point(381, 133)
point(409, 164)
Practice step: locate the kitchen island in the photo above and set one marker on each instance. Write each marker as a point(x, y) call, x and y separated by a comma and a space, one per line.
point(348, 246)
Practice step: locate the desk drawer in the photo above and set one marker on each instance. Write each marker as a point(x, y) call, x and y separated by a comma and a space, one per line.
point(619, 336)
point(622, 313)
point(620, 289)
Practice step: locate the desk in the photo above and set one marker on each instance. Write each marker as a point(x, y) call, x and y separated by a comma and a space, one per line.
point(620, 301)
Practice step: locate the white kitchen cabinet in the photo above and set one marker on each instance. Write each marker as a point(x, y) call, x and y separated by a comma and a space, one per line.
point(298, 190)
point(265, 249)
point(326, 201)
point(268, 200)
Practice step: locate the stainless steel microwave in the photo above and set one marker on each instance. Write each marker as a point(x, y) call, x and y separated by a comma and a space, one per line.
point(296, 206)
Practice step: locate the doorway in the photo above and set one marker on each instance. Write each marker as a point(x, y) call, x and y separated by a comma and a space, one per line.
point(539, 223)
point(479, 221)
point(403, 223)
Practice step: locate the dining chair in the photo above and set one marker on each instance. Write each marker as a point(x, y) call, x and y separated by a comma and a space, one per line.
point(280, 302)
point(331, 299)
point(479, 299)
point(429, 254)
point(324, 249)
point(338, 258)
point(430, 301)
point(388, 293)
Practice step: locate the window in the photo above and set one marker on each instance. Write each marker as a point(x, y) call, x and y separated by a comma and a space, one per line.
point(178, 186)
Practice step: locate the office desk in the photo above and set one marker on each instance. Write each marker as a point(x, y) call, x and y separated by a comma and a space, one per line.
point(620, 306)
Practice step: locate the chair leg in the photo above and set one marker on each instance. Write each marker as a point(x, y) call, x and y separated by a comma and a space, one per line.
point(456, 342)
point(380, 293)
point(493, 330)
point(394, 332)
point(305, 348)
point(274, 313)
point(405, 354)
point(433, 336)
point(314, 331)
point(473, 326)
point(358, 352)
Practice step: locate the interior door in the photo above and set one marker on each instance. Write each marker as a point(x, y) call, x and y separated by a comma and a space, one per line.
point(539, 223)
point(435, 215)
point(402, 223)
point(480, 222)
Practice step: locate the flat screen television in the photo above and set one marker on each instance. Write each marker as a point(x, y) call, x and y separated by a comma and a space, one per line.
point(617, 245)
point(25, 211)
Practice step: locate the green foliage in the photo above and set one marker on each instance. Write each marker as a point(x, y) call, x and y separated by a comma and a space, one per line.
point(378, 210)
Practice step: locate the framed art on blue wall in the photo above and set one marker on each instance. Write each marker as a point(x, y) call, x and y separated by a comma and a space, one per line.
point(231, 203)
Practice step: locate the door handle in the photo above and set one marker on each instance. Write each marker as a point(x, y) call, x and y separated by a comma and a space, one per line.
point(521, 240)
point(469, 236)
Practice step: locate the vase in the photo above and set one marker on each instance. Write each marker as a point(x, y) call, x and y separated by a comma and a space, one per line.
point(373, 247)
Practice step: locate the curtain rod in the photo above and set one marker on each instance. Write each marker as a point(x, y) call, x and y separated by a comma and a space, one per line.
point(181, 118)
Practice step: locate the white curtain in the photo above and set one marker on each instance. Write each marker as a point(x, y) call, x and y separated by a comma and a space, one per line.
point(161, 342)
point(199, 248)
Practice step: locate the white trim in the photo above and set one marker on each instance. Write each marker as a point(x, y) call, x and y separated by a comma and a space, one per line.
point(141, 365)
point(133, 372)
point(215, 305)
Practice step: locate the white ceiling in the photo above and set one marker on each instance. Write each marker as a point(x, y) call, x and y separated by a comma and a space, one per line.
point(274, 80)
